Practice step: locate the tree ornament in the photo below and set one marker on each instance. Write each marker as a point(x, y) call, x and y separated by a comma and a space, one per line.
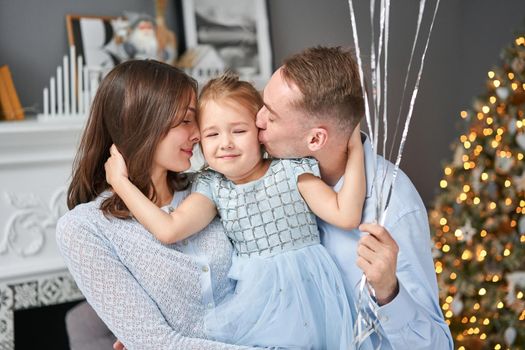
point(503, 164)
point(521, 225)
point(518, 64)
point(468, 231)
point(511, 126)
point(519, 182)
point(503, 93)
point(457, 305)
point(476, 178)
point(520, 140)
point(510, 335)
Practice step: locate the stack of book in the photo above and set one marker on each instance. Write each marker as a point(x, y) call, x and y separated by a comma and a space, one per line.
point(10, 107)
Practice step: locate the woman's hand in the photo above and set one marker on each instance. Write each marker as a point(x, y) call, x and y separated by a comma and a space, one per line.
point(118, 345)
point(115, 166)
point(355, 139)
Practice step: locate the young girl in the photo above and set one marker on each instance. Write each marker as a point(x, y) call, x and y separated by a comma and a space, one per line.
point(289, 292)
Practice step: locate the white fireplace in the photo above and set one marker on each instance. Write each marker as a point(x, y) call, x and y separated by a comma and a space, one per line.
point(35, 168)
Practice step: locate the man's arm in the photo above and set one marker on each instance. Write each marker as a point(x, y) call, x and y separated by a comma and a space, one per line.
point(405, 285)
point(116, 295)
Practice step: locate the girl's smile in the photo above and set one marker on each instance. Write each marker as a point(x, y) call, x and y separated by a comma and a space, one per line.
point(229, 141)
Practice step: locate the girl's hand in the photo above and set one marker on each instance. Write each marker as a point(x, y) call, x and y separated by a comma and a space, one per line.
point(115, 166)
point(355, 140)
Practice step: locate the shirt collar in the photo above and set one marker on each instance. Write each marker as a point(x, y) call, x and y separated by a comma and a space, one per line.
point(370, 163)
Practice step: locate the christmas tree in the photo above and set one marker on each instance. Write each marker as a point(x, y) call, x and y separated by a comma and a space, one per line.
point(478, 218)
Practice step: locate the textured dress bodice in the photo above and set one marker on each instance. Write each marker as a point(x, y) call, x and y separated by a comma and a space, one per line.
point(266, 216)
point(289, 293)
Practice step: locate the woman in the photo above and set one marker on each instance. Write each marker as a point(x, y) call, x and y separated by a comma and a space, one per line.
point(150, 295)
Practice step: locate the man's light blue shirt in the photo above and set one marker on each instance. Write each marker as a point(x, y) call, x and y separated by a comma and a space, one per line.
point(413, 320)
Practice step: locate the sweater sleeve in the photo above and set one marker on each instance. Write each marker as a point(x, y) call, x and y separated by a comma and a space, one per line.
point(115, 294)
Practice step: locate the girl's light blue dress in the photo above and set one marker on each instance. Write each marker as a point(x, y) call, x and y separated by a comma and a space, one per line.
point(289, 292)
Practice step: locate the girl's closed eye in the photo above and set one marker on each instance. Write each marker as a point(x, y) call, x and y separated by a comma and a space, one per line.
point(240, 131)
point(211, 134)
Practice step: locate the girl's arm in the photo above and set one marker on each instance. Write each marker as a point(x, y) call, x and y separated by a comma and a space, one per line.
point(191, 216)
point(341, 209)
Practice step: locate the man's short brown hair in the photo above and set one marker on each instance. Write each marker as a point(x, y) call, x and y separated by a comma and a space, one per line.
point(328, 78)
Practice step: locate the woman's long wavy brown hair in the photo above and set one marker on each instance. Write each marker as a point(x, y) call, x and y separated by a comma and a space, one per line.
point(135, 106)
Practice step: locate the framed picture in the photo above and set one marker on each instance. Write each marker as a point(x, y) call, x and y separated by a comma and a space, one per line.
point(98, 39)
point(235, 32)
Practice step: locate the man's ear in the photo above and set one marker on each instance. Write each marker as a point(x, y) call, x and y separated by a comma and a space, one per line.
point(317, 138)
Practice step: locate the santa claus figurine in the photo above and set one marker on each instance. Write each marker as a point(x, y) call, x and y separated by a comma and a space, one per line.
point(142, 40)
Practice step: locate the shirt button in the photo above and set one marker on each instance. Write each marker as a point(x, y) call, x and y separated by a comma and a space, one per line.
point(205, 269)
point(171, 209)
point(185, 242)
point(210, 305)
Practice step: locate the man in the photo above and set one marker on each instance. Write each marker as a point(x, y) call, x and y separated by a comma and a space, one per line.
point(312, 105)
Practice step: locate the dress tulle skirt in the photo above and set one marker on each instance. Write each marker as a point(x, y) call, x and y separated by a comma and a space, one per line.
point(293, 300)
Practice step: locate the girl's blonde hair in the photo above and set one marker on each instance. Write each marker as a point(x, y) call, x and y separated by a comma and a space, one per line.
point(228, 86)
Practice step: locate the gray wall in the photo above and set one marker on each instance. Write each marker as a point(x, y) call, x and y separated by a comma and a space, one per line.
point(466, 42)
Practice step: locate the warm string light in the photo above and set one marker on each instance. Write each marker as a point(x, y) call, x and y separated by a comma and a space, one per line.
point(484, 177)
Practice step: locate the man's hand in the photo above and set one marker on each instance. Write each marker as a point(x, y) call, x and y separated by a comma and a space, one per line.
point(118, 345)
point(377, 257)
point(115, 167)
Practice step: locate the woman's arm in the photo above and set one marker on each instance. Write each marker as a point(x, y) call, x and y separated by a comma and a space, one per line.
point(343, 209)
point(194, 213)
point(117, 297)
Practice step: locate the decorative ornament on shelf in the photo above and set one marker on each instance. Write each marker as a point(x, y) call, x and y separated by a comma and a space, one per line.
point(141, 42)
point(71, 91)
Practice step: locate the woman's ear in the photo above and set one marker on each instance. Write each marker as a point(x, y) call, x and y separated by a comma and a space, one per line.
point(317, 138)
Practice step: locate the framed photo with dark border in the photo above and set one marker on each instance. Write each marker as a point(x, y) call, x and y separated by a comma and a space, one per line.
point(237, 30)
point(97, 39)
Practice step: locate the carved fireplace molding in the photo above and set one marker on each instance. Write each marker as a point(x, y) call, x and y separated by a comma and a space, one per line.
point(35, 169)
point(25, 231)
